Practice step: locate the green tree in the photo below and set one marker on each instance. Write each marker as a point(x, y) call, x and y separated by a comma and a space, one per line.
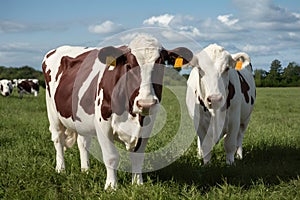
point(274, 76)
point(291, 75)
point(259, 76)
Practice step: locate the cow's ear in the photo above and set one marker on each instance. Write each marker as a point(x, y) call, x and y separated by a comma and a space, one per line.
point(241, 59)
point(111, 56)
point(179, 57)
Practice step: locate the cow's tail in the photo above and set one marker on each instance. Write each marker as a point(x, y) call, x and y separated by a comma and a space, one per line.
point(70, 138)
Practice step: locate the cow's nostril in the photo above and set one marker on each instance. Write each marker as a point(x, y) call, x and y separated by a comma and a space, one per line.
point(214, 98)
point(208, 99)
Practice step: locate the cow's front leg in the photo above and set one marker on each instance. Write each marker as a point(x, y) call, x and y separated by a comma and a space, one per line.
point(204, 146)
point(199, 150)
point(201, 122)
point(206, 156)
point(204, 152)
point(137, 161)
point(84, 143)
point(109, 153)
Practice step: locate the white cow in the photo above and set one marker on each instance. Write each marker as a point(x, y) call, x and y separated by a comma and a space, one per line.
point(6, 87)
point(220, 99)
point(108, 93)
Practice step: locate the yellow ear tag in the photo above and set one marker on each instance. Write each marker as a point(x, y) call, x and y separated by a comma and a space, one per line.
point(111, 61)
point(238, 65)
point(178, 63)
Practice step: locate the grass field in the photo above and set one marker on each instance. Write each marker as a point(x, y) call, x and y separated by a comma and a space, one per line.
point(270, 168)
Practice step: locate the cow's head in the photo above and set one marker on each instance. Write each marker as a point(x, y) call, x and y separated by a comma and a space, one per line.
point(142, 67)
point(6, 87)
point(213, 64)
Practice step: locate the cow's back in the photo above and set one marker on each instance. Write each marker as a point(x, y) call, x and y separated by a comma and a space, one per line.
point(71, 76)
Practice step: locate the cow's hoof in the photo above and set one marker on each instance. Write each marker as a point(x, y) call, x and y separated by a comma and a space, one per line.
point(60, 170)
point(239, 156)
point(230, 162)
point(239, 153)
point(109, 185)
point(85, 170)
point(137, 179)
point(200, 154)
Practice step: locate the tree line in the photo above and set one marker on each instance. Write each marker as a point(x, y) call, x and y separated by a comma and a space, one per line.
point(278, 76)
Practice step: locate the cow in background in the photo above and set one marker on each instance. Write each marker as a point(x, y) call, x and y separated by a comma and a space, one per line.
point(220, 99)
point(112, 93)
point(27, 86)
point(6, 87)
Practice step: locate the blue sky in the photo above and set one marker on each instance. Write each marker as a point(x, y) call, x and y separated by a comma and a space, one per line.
point(265, 29)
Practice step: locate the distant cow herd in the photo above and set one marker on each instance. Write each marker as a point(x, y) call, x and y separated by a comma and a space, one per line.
point(24, 86)
point(114, 94)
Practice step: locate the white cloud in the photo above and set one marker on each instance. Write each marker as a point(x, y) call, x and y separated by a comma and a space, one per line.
point(190, 30)
point(171, 35)
point(106, 28)
point(264, 14)
point(297, 15)
point(180, 20)
point(17, 54)
point(18, 47)
point(162, 20)
point(183, 24)
point(128, 37)
point(256, 48)
point(226, 19)
point(292, 34)
point(10, 26)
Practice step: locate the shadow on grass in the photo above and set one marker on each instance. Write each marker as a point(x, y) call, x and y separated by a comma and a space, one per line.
point(271, 165)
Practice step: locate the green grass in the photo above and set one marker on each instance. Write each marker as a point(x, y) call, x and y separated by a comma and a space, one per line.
point(270, 168)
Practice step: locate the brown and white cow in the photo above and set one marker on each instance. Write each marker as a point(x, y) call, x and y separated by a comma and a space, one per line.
point(27, 86)
point(220, 100)
point(6, 87)
point(106, 92)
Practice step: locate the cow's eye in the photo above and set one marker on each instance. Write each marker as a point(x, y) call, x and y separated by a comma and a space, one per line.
point(226, 69)
point(128, 66)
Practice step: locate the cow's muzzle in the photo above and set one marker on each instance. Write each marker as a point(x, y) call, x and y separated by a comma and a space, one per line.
point(214, 101)
point(145, 105)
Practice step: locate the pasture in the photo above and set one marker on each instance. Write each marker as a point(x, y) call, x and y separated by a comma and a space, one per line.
point(270, 168)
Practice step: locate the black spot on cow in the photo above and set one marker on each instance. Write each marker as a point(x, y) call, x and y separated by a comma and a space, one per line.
point(244, 87)
point(202, 104)
point(231, 92)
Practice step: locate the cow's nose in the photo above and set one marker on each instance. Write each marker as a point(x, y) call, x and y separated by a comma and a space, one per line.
point(212, 99)
point(6, 93)
point(146, 104)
